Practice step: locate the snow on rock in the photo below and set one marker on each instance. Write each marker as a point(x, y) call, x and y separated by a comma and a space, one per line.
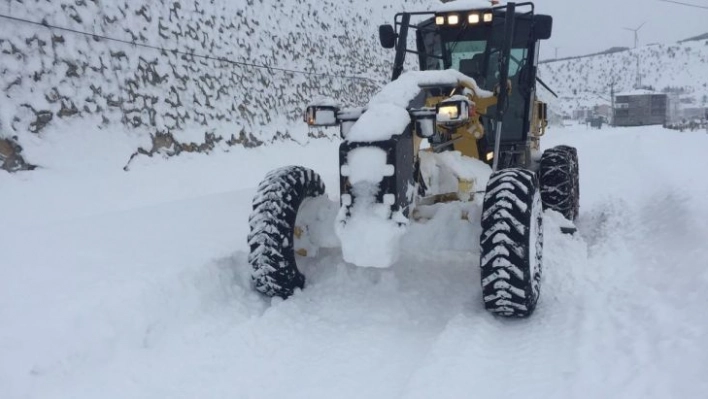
point(324, 101)
point(56, 81)
point(387, 112)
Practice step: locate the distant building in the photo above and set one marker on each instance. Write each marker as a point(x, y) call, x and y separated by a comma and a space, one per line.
point(641, 107)
point(603, 110)
point(691, 113)
point(581, 114)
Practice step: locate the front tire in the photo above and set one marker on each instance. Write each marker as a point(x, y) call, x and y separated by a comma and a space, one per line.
point(272, 229)
point(511, 243)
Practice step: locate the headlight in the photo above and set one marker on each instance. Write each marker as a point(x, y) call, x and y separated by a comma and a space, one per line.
point(473, 18)
point(439, 20)
point(453, 112)
point(449, 112)
point(453, 19)
point(490, 156)
point(488, 17)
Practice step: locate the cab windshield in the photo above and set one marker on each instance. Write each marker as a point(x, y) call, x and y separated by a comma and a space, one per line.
point(475, 53)
point(470, 58)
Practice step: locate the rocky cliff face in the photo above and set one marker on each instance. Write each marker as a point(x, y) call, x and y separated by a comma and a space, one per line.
point(201, 85)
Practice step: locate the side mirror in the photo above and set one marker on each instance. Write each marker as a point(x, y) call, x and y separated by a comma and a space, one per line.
point(424, 119)
point(321, 115)
point(542, 27)
point(542, 111)
point(387, 36)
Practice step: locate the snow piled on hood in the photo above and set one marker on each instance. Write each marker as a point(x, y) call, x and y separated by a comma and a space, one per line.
point(387, 112)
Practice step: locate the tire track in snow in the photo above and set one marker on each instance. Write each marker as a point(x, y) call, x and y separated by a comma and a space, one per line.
point(500, 358)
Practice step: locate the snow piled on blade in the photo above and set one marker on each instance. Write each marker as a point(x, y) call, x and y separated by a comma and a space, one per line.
point(371, 239)
point(387, 112)
point(369, 233)
point(464, 167)
point(443, 171)
point(369, 236)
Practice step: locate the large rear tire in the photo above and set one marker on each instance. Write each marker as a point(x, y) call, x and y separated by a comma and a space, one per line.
point(272, 223)
point(511, 243)
point(560, 184)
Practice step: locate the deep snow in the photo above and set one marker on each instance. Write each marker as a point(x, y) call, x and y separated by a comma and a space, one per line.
point(135, 285)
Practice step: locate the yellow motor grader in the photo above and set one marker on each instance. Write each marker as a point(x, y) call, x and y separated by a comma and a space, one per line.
point(472, 105)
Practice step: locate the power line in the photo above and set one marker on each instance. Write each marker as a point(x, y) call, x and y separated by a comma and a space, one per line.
point(685, 4)
point(176, 51)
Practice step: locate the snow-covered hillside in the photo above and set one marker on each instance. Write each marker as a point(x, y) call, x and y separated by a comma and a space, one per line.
point(584, 82)
point(55, 81)
point(136, 285)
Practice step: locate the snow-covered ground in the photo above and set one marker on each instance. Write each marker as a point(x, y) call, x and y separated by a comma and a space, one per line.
point(135, 285)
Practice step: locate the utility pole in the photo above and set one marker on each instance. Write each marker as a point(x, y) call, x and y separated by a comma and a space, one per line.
point(612, 96)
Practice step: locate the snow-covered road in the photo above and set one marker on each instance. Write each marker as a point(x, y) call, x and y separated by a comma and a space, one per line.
point(135, 285)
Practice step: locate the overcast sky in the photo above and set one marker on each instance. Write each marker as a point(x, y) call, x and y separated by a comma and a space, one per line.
point(586, 26)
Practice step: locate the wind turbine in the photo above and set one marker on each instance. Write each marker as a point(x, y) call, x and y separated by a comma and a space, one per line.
point(636, 33)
